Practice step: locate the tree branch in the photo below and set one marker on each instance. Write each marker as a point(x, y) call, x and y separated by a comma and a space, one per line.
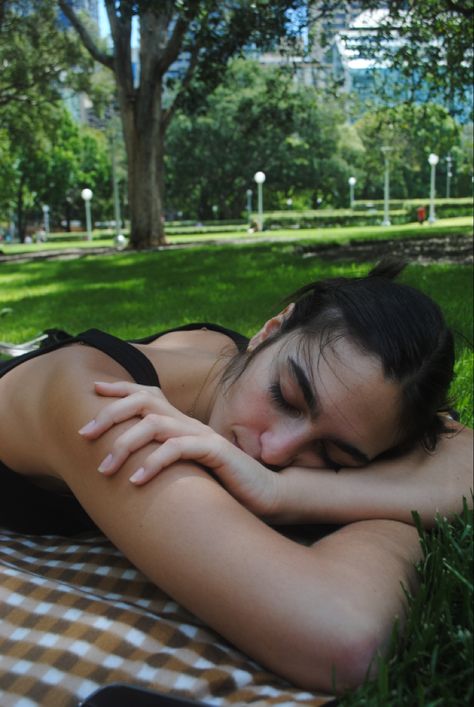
point(173, 46)
point(86, 38)
point(169, 112)
point(121, 28)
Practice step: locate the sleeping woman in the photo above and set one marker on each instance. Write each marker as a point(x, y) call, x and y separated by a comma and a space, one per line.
point(197, 444)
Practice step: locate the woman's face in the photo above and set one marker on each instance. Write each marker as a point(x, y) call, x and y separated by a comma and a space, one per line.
point(331, 409)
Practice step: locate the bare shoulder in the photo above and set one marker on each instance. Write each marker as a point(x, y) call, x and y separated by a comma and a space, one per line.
point(46, 402)
point(42, 399)
point(202, 340)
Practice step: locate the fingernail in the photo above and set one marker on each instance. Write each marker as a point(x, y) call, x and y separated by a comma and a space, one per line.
point(138, 476)
point(107, 464)
point(87, 428)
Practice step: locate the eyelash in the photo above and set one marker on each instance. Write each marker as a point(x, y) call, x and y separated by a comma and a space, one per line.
point(279, 399)
point(324, 456)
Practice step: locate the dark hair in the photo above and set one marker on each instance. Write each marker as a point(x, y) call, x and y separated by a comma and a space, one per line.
point(400, 325)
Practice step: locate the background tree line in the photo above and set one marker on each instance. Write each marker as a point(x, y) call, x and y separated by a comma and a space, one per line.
point(305, 142)
point(222, 120)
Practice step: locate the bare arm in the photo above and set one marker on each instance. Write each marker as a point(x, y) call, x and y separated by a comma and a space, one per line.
point(428, 483)
point(302, 612)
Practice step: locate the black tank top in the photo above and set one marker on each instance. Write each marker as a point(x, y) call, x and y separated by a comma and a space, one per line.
point(28, 508)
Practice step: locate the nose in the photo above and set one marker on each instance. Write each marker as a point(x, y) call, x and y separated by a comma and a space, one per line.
point(280, 445)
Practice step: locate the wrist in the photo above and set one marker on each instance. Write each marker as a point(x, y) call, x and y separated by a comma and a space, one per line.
point(277, 505)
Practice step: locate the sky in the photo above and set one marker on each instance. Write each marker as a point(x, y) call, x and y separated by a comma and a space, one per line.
point(103, 21)
point(104, 24)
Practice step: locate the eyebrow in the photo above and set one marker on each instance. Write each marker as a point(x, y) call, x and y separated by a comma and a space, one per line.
point(312, 402)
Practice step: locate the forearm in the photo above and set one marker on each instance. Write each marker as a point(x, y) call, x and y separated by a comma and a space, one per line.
point(419, 481)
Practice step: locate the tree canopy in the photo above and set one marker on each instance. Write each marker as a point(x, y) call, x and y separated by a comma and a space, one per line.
point(197, 124)
point(257, 119)
point(38, 59)
point(184, 51)
point(430, 43)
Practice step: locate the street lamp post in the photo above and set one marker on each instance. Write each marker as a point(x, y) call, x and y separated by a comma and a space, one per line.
point(260, 177)
point(433, 161)
point(87, 196)
point(46, 221)
point(352, 183)
point(115, 186)
point(249, 204)
point(449, 174)
point(386, 186)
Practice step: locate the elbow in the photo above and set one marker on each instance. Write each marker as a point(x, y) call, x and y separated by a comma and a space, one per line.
point(355, 661)
point(338, 661)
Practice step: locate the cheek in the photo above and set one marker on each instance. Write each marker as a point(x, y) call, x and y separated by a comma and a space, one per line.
point(250, 400)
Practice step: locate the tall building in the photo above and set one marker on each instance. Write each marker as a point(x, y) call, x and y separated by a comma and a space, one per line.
point(322, 63)
point(316, 62)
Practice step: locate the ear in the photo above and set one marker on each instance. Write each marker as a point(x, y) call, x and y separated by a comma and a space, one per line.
point(270, 327)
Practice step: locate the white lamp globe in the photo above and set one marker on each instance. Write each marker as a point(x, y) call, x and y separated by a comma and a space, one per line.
point(352, 181)
point(86, 194)
point(433, 159)
point(259, 177)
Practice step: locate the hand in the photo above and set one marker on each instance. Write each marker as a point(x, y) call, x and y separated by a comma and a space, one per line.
point(181, 438)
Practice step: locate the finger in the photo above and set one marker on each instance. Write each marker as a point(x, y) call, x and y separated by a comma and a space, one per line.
point(169, 453)
point(187, 448)
point(137, 404)
point(112, 414)
point(152, 428)
point(119, 389)
point(116, 389)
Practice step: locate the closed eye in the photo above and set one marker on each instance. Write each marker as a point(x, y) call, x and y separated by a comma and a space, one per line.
point(281, 402)
point(328, 462)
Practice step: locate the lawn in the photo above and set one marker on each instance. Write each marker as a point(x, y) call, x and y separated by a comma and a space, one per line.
point(238, 285)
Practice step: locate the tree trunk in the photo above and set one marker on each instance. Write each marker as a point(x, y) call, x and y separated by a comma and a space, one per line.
point(141, 115)
point(144, 198)
point(145, 160)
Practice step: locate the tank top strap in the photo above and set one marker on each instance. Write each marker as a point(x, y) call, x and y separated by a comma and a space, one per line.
point(134, 361)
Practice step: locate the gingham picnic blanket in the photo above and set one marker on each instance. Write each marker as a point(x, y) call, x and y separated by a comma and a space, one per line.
point(75, 616)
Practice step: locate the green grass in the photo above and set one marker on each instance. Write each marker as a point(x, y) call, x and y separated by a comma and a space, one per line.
point(430, 665)
point(134, 294)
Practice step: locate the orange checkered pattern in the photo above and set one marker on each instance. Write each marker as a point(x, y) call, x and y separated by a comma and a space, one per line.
point(75, 615)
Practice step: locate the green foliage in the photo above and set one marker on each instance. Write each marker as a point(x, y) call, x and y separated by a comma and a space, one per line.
point(289, 132)
point(325, 218)
point(38, 58)
point(43, 151)
point(299, 138)
point(48, 159)
point(411, 131)
point(200, 37)
point(430, 44)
